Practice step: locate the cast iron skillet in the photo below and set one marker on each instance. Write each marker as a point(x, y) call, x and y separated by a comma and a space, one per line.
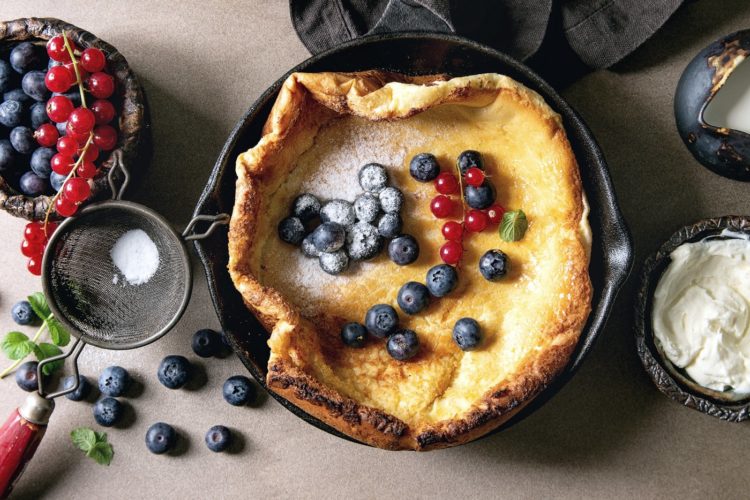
point(411, 53)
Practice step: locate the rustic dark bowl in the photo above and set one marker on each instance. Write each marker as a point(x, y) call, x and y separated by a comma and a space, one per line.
point(134, 125)
point(412, 53)
point(669, 379)
point(722, 150)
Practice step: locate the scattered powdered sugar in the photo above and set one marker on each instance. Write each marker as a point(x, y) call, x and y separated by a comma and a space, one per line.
point(338, 211)
point(135, 256)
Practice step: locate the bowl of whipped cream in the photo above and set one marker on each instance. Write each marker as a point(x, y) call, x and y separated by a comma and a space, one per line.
point(692, 323)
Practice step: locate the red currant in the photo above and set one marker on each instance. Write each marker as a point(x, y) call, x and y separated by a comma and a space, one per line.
point(441, 206)
point(67, 146)
point(104, 111)
point(59, 108)
point(86, 170)
point(46, 135)
point(105, 137)
point(58, 79)
point(453, 231)
point(81, 120)
point(451, 252)
point(446, 183)
point(91, 153)
point(56, 49)
point(495, 213)
point(29, 249)
point(101, 85)
point(34, 265)
point(474, 177)
point(51, 228)
point(475, 220)
point(62, 164)
point(65, 207)
point(81, 139)
point(82, 73)
point(76, 189)
point(93, 60)
point(33, 232)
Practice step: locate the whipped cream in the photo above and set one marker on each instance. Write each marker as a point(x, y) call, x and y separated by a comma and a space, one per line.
point(701, 312)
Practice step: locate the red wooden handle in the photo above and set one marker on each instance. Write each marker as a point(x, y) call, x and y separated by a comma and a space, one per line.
point(19, 439)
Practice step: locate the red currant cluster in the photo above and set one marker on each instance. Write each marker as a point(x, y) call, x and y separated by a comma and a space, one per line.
point(474, 220)
point(87, 131)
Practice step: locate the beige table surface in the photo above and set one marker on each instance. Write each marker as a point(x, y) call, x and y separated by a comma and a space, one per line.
point(608, 433)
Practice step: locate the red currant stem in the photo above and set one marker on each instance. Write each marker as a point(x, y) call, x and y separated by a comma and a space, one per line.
point(17, 362)
point(75, 68)
point(71, 174)
point(463, 210)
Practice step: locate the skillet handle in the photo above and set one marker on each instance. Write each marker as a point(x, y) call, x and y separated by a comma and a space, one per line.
point(19, 438)
point(216, 220)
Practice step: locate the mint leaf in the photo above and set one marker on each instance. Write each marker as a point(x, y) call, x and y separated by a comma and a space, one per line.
point(513, 226)
point(94, 444)
point(39, 305)
point(44, 351)
point(57, 332)
point(16, 345)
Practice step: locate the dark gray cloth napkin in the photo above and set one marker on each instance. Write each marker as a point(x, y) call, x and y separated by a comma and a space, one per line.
point(546, 34)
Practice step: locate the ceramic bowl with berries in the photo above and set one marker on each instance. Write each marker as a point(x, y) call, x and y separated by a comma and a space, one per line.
point(69, 103)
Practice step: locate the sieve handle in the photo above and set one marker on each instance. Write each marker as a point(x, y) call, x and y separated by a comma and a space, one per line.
point(215, 220)
point(20, 437)
point(117, 164)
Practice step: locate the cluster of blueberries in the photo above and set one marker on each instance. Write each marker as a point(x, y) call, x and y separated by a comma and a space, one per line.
point(351, 231)
point(173, 372)
point(23, 110)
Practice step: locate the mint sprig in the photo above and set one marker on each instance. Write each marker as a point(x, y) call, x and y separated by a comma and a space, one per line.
point(513, 226)
point(17, 345)
point(93, 444)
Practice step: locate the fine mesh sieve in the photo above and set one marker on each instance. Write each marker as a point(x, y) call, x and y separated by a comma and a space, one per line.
point(88, 293)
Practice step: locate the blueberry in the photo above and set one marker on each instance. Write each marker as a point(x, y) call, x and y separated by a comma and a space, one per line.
point(114, 381)
point(381, 320)
point(441, 280)
point(403, 345)
point(329, 237)
point(26, 376)
point(338, 211)
point(20, 96)
point(469, 159)
point(38, 115)
point(363, 241)
point(308, 247)
point(22, 140)
point(61, 128)
point(8, 155)
point(291, 230)
point(467, 334)
point(57, 180)
point(6, 76)
point(73, 95)
point(32, 185)
point(33, 85)
point(366, 207)
point(403, 250)
point(26, 57)
point(206, 343)
point(334, 263)
point(23, 314)
point(40, 161)
point(174, 371)
point(373, 178)
point(480, 197)
point(390, 225)
point(494, 265)
point(424, 167)
point(413, 297)
point(353, 334)
point(160, 438)
point(306, 207)
point(107, 411)
point(218, 438)
point(81, 392)
point(11, 113)
point(238, 390)
point(391, 200)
